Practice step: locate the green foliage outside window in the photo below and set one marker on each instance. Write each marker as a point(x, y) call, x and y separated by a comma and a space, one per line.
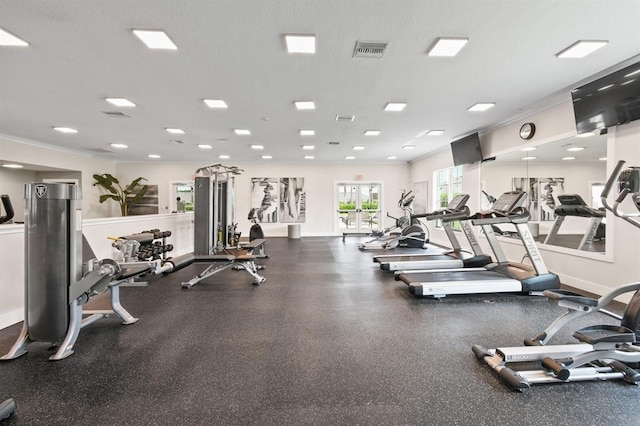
point(351, 205)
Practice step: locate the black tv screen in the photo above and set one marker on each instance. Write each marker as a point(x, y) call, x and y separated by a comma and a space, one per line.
point(466, 150)
point(608, 101)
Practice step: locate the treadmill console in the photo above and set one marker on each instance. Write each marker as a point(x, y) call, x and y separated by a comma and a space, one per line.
point(571, 200)
point(509, 201)
point(458, 202)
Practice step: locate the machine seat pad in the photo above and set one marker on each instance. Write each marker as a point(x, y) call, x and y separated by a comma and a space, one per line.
point(210, 258)
point(252, 245)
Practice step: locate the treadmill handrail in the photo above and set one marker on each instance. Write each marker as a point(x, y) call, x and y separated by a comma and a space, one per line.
point(445, 214)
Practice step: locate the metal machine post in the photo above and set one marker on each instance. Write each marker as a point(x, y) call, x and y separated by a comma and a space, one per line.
point(53, 255)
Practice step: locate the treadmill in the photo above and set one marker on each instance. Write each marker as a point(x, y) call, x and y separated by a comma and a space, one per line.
point(499, 277)
point(457, 257)
point(574, 205)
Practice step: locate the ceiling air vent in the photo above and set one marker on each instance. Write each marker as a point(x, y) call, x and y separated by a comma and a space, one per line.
point(345, 117)
point(100, 150)
point(116, 114)
point(333, 143)
point(369, 50)
point(178, 142)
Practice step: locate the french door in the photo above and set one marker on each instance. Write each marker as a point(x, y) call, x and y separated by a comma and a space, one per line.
point(359, 207)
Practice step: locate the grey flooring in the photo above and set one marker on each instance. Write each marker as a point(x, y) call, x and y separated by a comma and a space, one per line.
point(329, 339)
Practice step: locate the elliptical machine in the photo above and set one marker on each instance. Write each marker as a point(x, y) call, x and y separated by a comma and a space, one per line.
point(412, 232)
point(604, 352)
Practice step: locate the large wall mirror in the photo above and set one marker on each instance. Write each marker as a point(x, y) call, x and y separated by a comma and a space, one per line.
point(563, 180)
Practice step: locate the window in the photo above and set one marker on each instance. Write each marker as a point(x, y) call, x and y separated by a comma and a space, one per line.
point(448, 184)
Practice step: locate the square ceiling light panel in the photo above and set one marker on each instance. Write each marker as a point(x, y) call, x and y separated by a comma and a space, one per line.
point(155, 39)
point(447, 46)
point(300, 43)
point(8, 39)
point(582, 48)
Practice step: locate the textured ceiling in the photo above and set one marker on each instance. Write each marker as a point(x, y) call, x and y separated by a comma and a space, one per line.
point(81, 52)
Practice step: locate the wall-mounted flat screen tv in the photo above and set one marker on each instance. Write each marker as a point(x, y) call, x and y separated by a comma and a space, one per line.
point(608, 101)
point(466, 150)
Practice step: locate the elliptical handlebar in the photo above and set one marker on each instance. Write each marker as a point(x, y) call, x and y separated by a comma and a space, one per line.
point(624, 192)
point(613, 178)
point(8, 209)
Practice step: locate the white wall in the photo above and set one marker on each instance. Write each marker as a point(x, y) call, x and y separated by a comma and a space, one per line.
point(23, 152)
point(319, 183)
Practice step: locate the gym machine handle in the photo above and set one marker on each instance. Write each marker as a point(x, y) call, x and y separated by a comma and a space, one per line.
point(620, 213)
point(613, 178)
point(8, 208)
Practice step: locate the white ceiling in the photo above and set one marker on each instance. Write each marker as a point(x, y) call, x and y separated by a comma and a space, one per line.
point(83, 51)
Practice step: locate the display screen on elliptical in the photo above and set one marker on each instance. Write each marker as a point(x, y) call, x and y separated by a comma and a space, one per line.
point(509, 201)
point(458, 202)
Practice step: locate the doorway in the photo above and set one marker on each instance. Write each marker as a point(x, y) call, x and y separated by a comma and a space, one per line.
point(359, 207)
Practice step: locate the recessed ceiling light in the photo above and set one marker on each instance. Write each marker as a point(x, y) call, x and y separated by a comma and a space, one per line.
point(358, 148)
point(309, 157)
point(175, 131)
point(628, 82)
point(575, 148)
point(223, 157)
point(242, 132)
point(300, 43)
point(372, 132)
point(155, 39)
point(267, 157)
point(568, 158)
point(65, 129)
point(307, 132)
point(529, 158)
point(308, 147)
point(13, 166)
point(215, 103)
point(395, 106)
point(120, 102)
point(408, 147)
point(257, 147)
point(392, 157)
point(349, 157)
point(447, 46)
point(633, 73)
point(581, 48)
point(154, 156)
point(119, 146)
point(603, 158)
point(435, 132)
point(481, 106)
point(608, 86)
point(8, 39)
point(304, 105)
point(529, 148)
point(204, 146)
point(585, 135)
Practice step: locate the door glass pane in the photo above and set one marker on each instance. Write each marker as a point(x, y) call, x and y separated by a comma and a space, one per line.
point(370, 207)
point(347, 204)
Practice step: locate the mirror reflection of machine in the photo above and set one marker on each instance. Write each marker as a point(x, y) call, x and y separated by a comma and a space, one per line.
point(573, 205)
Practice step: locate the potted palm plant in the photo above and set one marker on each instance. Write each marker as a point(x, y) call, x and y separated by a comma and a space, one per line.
point(125, 197)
